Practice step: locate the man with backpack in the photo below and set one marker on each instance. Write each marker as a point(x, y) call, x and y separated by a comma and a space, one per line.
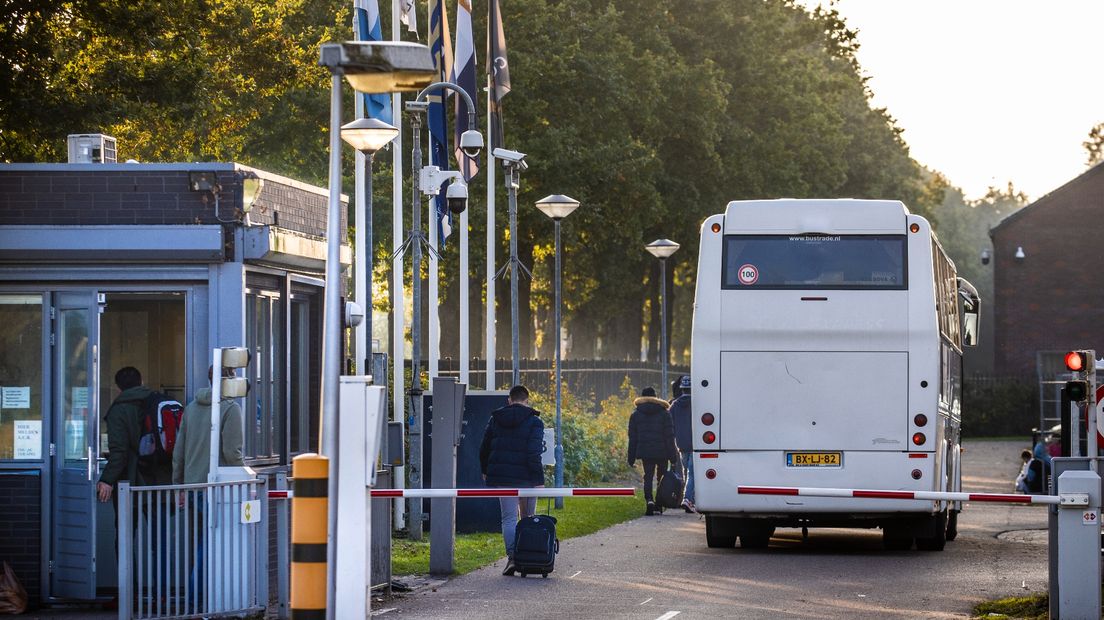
point(510, 456)
point(125, 419)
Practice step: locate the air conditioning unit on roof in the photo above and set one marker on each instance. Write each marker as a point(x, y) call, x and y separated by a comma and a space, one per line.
point(91, 148)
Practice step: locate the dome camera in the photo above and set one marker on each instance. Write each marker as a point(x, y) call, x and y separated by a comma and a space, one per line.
point(457, 196)
point(471, 142)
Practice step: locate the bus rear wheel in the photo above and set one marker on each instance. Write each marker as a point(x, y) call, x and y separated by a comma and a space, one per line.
point(719, 533)
point(938, 540)
point(896, 539)
point(952, 525)
point(756, 537)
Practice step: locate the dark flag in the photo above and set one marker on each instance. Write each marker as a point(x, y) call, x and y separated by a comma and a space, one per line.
point(463, 75)
point(497, 68)
point(441, 48)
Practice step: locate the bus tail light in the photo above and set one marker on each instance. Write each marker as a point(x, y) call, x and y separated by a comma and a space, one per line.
point(920, 419)
point(914, 227)
point(715, 227)
point(708, 419)
point(709, 437)
point(711, 473)
point(919, 439)
point(917, 474)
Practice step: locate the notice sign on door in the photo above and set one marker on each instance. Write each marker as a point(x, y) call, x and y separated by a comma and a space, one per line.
point(15, 397)
point(28, 439)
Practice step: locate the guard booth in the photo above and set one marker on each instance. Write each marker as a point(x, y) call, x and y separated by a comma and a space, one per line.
point(147, 265)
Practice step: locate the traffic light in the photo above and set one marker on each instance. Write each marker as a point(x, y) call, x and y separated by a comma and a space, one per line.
point(1078, 391)
point(1077, 361)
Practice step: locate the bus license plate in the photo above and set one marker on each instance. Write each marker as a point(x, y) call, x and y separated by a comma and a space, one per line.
point(814, 459)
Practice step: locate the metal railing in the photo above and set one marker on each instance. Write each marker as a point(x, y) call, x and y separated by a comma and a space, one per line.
point(193, 550)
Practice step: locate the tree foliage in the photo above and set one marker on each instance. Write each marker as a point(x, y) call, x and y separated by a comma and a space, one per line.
point(1094, 145)
point(654, 115)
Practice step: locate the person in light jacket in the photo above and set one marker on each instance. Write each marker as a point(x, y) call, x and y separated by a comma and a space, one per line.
point(652, 440)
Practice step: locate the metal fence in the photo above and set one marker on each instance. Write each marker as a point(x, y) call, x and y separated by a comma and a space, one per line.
point(586, 378)
point(195, 550)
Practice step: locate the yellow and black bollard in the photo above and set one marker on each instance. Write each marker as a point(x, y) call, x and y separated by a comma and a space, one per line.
point(308, 536)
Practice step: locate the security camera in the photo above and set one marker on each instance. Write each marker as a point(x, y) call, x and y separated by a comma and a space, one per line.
point(457, 196)
point(514, 157)
point(471, 142)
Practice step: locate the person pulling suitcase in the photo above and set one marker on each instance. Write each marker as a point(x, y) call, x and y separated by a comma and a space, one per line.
point(510, 456)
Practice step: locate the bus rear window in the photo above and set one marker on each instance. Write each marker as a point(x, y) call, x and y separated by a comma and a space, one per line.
point(814, 262)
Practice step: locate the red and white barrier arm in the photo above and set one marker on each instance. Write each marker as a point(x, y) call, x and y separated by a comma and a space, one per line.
point(1005, 498)
point(495, 492)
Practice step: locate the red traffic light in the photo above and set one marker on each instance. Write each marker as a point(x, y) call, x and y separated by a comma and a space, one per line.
point(1076, 361)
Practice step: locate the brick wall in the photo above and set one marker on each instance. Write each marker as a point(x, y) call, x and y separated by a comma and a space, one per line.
point(132, 195)
point(1053, 299)
point(21, 528)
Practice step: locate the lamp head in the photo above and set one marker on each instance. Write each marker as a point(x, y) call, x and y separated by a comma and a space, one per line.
point(557, 206)
point(368, 135)
point(1020, 253)
point(985, 257)
point(662, 248)
point(251, 190)
point(380, 66)
point(471, 142)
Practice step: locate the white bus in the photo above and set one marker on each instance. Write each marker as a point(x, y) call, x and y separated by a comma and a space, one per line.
point(827, 353)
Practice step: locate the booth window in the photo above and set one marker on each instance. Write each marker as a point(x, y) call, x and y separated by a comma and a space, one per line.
point(263, 407)
point(21, 346)
point(302, 345)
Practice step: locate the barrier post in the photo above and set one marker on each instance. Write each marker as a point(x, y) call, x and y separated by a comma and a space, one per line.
point(1079, 545)
point(309, 510)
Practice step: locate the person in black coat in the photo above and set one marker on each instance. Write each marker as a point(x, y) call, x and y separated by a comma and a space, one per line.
point(651, 439)
point(684, 429)
point(510, 456)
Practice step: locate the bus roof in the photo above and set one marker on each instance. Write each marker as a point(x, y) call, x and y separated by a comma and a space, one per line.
point(815, 216)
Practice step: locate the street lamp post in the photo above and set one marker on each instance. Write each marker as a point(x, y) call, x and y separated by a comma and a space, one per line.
point(663, 249)
point(366, 135)
point(558, 207)
point(428, 179)
point(373, 67)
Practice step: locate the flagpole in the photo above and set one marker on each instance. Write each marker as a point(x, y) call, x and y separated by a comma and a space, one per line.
point(489, 350)
point(398, 310)
point(361, 293)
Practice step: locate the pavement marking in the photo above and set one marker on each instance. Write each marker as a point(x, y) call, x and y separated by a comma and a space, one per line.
point(669, 615)
point(646, 600)
point(575, 575)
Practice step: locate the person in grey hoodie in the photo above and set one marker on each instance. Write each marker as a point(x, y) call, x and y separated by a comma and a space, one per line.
point(192, 459)
point(192, 454)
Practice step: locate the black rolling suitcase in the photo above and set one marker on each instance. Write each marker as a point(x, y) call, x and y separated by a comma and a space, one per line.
point(536, 545)
point(669, 489)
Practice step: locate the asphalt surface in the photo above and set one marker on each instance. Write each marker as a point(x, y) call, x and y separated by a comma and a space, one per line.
point(658, 568)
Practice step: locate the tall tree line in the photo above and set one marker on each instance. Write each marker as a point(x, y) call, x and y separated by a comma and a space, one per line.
point(654, 115)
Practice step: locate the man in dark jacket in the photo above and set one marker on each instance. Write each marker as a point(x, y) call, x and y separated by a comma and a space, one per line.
point(651, 439)
point(684, 430)
point(510, 456)
point(124, 422)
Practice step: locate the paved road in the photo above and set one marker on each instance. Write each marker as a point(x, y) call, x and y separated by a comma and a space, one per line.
point(652, 567)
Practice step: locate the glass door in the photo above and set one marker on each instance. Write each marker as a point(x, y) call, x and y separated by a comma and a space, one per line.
point(77, 432)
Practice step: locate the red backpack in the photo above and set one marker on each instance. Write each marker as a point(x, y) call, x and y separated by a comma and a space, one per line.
point(159, 424)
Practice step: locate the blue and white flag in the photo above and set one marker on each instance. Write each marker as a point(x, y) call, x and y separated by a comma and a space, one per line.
point(463, 75)
point(366, 27)
point(441, 49)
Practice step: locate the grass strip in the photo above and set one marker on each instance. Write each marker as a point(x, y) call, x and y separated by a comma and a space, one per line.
point(1035, 607)
point(579, 516)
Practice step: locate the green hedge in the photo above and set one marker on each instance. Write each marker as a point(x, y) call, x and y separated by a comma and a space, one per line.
point(595, 445)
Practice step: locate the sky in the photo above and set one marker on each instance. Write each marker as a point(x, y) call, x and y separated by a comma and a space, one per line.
point(986, 91)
